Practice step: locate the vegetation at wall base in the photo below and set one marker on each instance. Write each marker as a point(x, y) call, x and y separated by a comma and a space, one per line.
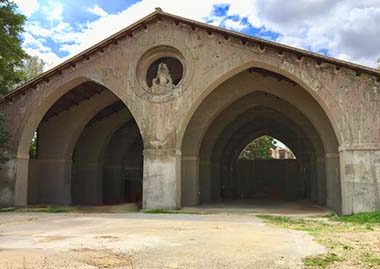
point(350, 241)
point(168, 211)
point(360, 218)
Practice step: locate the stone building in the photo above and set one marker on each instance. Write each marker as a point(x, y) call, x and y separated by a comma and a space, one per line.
point(161, 110)
point(282, 153)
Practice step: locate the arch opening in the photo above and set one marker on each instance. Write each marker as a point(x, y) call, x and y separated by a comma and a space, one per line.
point(68, 152)
point(243, 108)
point(266, 147)
point(263, 170)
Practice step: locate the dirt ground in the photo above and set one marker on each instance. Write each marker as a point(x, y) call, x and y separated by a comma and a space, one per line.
point(138, 240)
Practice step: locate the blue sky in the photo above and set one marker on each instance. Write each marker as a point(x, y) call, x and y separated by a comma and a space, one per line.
point(57, 30)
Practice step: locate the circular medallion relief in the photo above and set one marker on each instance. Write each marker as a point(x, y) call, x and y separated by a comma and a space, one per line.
point(161, 72)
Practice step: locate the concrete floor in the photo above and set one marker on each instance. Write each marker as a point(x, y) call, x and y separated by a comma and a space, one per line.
point(138, 240)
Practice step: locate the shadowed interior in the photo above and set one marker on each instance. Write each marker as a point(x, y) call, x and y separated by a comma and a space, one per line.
point(260, 102)
point(89, 151)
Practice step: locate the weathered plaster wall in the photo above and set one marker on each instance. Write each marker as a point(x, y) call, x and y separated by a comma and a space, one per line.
point(350, 102)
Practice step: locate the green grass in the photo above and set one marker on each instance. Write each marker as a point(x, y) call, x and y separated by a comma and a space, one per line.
point(280, 220)
point(168, 211)
point(160, 211)
point(360, 218)
point(322, 261)
point(52, 209)
point(375, 261)
point(298, 224)
point(49, 209)
point(326, 231)
point(8, 209)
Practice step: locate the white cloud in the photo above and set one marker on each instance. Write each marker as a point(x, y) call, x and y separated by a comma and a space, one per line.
point(97, 10)
point(95, 31)
point(348, 29)
point(36, 35)
point(36, 47)
point(53, 11)
point(27, 6)
point(235, 25)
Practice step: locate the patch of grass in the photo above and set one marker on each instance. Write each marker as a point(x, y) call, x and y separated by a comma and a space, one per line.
point(52, 209)
point(360, 218)
point(322, 261)
point(341, 236)
point(375, 261)
point(7, 209)
point(160, 211)
point(168, 211)
point(347, 247)
point(293, 223)
point(280, 220)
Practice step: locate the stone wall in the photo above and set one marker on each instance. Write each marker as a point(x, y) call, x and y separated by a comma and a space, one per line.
point(348, 99)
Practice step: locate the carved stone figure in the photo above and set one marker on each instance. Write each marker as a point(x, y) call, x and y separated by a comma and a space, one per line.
point(163, 80)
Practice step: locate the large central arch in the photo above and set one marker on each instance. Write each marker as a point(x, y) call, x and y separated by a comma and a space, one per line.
point(251, 103)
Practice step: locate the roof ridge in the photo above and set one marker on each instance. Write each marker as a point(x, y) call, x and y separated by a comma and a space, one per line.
point(158, 12)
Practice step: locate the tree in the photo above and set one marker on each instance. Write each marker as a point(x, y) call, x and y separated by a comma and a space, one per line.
point(260, 148)
point(378, 63)
point(33, 66)
point(12, 55)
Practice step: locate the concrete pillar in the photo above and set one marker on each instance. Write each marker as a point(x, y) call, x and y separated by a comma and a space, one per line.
point(205, 181)
point(333, 184)
point(90, 175)
point(360, 174)
point(190, 180)
point(21, 185)
point(313, 176)
point(217, 170)
point(321, 181)
point(55, 181)
point(8, 183)
point(33, 181)
point(161, 181)
point(113, 184)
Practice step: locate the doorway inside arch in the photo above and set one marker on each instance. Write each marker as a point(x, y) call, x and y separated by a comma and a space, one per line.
point(265, 169)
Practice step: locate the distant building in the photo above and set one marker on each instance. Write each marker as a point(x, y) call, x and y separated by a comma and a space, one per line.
point(282, 153)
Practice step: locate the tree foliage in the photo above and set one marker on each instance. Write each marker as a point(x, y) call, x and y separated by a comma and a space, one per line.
point(33, 66)
point(12, 55)
point(260, 148)
point(34, 147)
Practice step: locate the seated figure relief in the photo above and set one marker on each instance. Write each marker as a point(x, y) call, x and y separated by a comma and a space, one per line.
point(163, 80)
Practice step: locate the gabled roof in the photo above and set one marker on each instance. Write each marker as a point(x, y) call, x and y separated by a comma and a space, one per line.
point(159, 14)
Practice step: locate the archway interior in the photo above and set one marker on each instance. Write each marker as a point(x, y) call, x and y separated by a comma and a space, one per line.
point(252, 104)
point(289, 180)
point(263, 169)
point(87, 151)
